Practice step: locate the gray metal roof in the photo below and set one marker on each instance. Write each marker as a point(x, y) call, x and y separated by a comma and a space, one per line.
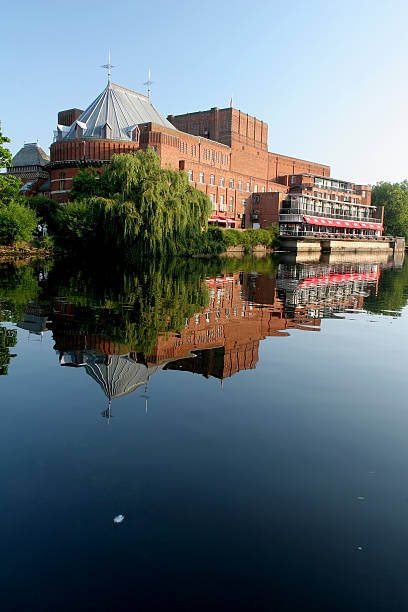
point(119, 375)
point(122, 109)
point(30, 155)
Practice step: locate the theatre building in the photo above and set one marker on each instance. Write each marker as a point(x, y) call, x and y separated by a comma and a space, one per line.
point(223, 151)
point(225, 154)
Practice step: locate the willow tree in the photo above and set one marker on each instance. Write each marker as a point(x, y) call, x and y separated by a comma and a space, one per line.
point(150, 210)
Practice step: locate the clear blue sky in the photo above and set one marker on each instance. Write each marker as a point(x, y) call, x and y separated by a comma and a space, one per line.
point(330, 78)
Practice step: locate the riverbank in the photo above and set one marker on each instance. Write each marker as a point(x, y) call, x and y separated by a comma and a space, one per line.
point(24, 251)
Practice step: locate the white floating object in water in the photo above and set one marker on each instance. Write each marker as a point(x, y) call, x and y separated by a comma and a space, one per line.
point(359, 548)
point(119, 519)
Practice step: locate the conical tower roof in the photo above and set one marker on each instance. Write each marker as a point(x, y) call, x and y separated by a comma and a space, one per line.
point(119, 108)
point(118, 375)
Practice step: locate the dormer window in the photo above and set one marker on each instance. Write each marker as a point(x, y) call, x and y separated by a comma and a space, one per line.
point(80, 128)
point(135, 134)
point(106, 131)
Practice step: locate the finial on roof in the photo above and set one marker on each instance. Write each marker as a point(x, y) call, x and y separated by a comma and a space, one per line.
point(108, 66)
point(148, 83)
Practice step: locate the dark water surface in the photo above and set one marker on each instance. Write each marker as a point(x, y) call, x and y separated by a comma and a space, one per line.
point(249, 419)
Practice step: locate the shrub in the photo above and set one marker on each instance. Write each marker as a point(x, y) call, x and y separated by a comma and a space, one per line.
point(17, 222)
point(233, 237)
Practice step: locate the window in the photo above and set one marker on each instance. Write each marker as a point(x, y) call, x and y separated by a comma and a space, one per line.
point(255, 188)
point(221, 181)
point(213, 202)
point(231, 183)
point(212, 179)
point(231, 204)
point(263, 189)
point(243, 203)
point(213, 156)
point(293, 179)
point(240, 185)
point(363, 194)
point(222, 207)
point(190, 175)
point(201, 177)
point(248, 187)
point(62, 181)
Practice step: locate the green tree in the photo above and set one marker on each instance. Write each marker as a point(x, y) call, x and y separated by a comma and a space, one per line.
point(86, 185)
point(9, 185)
point(145, 209)
point(17, 222)
point(394, 198)
point(5, 154)
point(80, 222)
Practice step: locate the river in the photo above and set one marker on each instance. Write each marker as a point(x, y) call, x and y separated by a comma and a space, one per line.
point(247, 417)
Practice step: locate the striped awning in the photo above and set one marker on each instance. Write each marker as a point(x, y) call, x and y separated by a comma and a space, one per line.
point(342, 223)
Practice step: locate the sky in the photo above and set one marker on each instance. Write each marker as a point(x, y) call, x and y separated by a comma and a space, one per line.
point(329, 78)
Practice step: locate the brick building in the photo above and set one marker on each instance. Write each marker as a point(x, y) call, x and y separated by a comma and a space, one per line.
point(224, 152)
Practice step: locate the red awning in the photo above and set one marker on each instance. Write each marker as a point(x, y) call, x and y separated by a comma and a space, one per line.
point(342, 223)
point(227, 219)
point(214, 219)
point(335, 279)
point(219, 219)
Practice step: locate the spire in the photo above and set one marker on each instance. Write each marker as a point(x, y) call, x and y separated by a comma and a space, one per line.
point(149, 82)
point(108, 66)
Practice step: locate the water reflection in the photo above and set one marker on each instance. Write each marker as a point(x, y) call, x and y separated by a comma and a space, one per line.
point(206, 318)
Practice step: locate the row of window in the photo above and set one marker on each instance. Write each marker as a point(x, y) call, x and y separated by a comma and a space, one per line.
point(222, 203)
point(222, 182)
point(337, 198)
point(208, 154)
point(215, 156)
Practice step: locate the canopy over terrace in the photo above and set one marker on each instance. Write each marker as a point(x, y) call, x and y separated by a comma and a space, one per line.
point(342, 223)
point(217, 219)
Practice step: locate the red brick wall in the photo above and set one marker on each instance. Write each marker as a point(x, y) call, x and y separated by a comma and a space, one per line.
point(266, 206)
point(279, 166)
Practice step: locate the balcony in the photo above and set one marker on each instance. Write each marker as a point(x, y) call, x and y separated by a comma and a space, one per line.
point(286, 215)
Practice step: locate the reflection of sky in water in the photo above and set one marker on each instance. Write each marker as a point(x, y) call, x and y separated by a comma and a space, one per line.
point(245, 493)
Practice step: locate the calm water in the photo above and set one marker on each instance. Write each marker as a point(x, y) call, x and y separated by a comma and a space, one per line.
point(249, 419)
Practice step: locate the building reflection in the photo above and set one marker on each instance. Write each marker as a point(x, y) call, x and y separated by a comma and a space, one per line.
point(224, 337)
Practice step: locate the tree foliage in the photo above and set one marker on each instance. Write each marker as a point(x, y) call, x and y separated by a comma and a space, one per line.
point(394, 198)
point(86, 184)
point(17, 222)
point(5, 154)
point(138, 207)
